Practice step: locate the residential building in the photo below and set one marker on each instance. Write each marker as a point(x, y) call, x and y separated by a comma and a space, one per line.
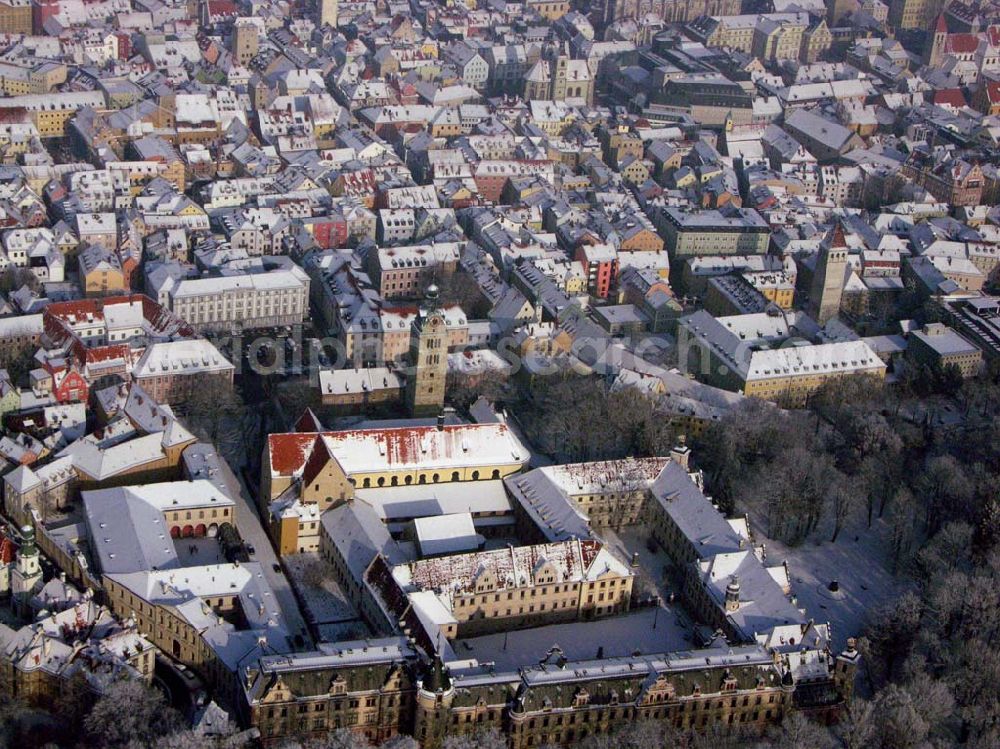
point(937, 345)
point(690, 233)
point(238, 301)
point(38, 661)
point(16, 17)
point(245, 40)
point(759, 355)
point(170, 371)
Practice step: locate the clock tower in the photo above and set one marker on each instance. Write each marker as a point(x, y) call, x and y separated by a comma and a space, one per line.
point(425, 381)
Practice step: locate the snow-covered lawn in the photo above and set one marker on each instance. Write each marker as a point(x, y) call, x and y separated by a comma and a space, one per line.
point(617, 635)
point(858, 561)
point(326, 606)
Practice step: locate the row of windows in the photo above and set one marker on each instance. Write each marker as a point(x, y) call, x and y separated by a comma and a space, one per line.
point(421, 479)
point(201, 514)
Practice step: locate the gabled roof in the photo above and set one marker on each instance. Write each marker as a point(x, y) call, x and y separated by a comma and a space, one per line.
point(400, 448)
point(308, 422)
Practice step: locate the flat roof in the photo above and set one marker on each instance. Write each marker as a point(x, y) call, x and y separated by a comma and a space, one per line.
point(446, 534)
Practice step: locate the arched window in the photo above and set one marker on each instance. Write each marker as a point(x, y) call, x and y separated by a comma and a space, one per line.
point(394, 481)
point(381, 480)
point(435, 478)
point(454, 476)
point(496, 473)
point(408, 480)
point(475, 475)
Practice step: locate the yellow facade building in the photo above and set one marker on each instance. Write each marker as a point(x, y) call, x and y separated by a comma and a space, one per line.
point(517, 587)
point(306, 473)
point(50, 112)
point(759, 355)
point(15, 17)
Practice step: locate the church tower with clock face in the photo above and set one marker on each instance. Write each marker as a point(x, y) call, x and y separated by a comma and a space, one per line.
point(26, 577)
point(425, 382)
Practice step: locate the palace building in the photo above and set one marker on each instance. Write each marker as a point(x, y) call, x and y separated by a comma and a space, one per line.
point(764, 657)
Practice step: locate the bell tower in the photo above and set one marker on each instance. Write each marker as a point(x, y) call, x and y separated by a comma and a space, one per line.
point(27, 575)
point(828, 278)
point(425, 381)
point(936, 41)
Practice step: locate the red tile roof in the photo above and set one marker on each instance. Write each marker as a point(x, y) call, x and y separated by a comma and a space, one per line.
point(288, 452)
point(952, 97)
point(960, 44)
point(993, 92)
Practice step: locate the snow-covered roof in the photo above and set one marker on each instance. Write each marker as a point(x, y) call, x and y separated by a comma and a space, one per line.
point(127, 529)
point(446, 534)
point(570, 561)
point(427, 448)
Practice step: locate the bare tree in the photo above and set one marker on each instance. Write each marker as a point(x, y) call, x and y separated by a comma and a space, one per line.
point(130, 712)
point(400, 741)
point(890, 635)
point(944, 489)
point(639, 735)
point(842, 500)
point(342, 738)
point(902, 533)
point(461, 289)
point(464, 389)
point(488, 739)
point(798, 732)
point(316, 572)
point(858, 724)
point(215, 412)
point(901, 724)
point(13, 278)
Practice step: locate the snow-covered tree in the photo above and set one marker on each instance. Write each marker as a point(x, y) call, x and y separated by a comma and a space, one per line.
point(130, 712)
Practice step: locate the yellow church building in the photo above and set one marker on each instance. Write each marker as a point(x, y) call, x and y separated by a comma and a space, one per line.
point(307, 473)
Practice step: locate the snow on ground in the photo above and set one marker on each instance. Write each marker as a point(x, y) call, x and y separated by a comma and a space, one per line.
point(327, 607)
point(340, 631)
point(862, 568)
point(618, 635)
point(858, 561)
point(194, 552)
point(655, 566)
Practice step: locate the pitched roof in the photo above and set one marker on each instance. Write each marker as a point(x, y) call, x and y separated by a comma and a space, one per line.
point(396, 448)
